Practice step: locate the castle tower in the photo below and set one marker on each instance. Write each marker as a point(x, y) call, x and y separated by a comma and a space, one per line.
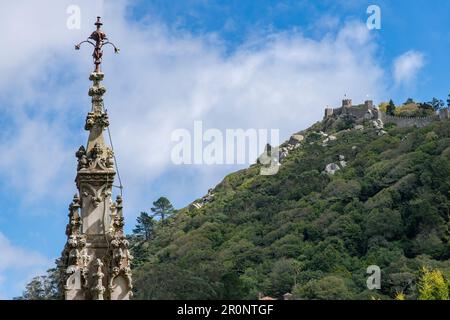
point(95, 262)
point(346, 103)
point(328, 112)
point(368, 104)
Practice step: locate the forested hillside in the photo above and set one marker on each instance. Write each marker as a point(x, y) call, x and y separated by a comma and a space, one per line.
point(309, 232)
point(346, 197)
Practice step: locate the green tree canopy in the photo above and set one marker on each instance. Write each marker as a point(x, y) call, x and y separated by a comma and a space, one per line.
point(144, 227)
point(436, 104)
point(433, 285)
point(162, 208)
point(390, 109)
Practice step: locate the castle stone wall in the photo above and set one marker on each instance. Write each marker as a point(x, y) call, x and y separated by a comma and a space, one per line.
point(403, 122)
point(444, 114)
point(367, 112)
point(359, 112)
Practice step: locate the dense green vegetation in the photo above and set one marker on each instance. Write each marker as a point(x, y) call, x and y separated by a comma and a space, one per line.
point(308, 232)
point(304, 231)
point(413, 109)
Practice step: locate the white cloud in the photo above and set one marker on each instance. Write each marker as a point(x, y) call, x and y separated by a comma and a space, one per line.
point(407, 67)
point(36, 158)
point(17, 266)
point(163, 80)
point(14, 256)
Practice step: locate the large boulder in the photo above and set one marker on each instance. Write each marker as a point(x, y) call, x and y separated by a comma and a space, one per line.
point(283, 155)
point(378, 124)
point(331, 168)
point(328, 139)
point(296, 138)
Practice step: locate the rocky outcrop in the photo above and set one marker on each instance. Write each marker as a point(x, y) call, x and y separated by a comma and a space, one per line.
point(296, 139)
point(209, 197)
point(379, 126)
point(342, 161)
point(293, 143)
point(332, 167)
point(328, 139)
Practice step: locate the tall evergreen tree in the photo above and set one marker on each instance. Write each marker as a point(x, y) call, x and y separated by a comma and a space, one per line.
point(144, 227)
point(390, 109)
point(162, 208)
point(436, 104)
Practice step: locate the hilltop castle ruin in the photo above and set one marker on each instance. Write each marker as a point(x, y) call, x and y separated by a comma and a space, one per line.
point(368, 111)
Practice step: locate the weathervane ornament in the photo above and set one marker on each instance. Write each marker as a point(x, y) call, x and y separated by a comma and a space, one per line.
point(100, 39)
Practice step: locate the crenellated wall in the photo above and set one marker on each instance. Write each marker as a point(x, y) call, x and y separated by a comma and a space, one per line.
point(444, 114)
point(367, 111)
point(403, 122)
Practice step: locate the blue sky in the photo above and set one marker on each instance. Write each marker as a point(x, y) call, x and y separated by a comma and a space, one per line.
point(419, 25)
point(231, 64)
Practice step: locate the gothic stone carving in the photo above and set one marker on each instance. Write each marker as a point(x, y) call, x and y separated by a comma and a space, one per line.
point(120, 283)
point(74, 260)
point(95, 262)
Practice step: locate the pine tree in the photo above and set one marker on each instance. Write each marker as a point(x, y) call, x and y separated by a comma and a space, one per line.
point(144, 227)
point(436, 104)
point(162, 208)
point(390, 109)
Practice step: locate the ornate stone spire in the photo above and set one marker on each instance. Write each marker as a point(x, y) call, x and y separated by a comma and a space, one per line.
point(95, 262)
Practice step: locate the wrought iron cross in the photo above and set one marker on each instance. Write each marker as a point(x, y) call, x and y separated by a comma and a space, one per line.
point(100, 40)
